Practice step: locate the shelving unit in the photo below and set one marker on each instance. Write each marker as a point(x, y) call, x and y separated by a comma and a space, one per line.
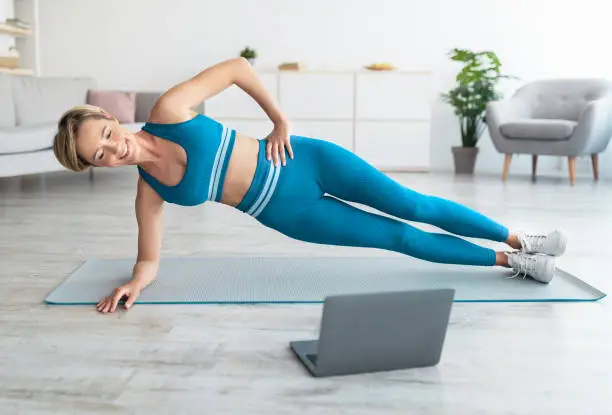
point(25, 40)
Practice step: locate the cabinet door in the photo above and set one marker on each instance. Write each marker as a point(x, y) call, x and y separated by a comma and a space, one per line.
point(253, 128)
point(393, 96)
point(394, 145)
point(316, 96)
point(233, 102)
point(338, 132)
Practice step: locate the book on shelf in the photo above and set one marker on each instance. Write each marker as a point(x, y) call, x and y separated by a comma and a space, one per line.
point(21, 24)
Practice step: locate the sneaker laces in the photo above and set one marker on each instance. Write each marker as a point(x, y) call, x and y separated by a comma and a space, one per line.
point(532, 241)
point(525, 264)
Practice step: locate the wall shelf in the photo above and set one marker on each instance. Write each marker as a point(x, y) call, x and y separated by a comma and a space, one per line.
point(6, 29)
point(18, 71)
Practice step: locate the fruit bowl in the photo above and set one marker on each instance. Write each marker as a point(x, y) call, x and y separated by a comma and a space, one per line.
point(381, 66)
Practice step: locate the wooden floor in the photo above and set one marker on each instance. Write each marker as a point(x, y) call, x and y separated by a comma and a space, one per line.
point(183, 359)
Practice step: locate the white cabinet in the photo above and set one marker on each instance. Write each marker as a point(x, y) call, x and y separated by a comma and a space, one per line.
point(389, 96)
point(382, 117)
point(393, 145)
point(317, 96)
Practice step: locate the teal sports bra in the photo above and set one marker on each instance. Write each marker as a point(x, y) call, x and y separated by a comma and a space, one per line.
point(208, 145)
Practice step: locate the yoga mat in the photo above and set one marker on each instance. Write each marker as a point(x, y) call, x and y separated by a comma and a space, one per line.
point(249, 280)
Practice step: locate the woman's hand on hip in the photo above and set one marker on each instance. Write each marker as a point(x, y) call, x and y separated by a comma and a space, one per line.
point(109, 303)
point(277, 142)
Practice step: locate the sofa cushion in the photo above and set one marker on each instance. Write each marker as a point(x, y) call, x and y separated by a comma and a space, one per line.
point(122, 105)
point(7, 106)
point(43, 100)
point(538, 129)
point(28, 138)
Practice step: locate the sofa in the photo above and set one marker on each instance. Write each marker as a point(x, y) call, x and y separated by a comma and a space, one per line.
point(554, 117)
point(30, 108)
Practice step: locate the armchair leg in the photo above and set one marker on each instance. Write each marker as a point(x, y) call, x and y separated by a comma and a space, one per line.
point(572, 169)
point(534, 166)
point(506, 166)
point(91, 174)
point(595, 160)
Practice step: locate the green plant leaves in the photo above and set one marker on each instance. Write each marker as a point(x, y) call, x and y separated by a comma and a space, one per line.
point(475, 89)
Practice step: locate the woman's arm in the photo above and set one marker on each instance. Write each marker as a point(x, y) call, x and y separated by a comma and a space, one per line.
point(148, 208)
point(178, 101)
point(213, 80)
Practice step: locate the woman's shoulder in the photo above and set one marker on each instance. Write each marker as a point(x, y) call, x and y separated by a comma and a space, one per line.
point(165, 113)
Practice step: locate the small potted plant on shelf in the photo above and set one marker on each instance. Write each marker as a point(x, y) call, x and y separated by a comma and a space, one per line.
point(475, 88)
point(249, 54)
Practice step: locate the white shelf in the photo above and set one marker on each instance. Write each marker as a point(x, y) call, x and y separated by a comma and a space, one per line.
point(18, 71)
point(6, 29)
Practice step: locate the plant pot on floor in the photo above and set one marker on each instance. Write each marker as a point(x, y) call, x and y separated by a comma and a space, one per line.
point(465, 159)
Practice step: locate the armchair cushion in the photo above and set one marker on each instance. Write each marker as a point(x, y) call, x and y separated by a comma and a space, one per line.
point(538, 129)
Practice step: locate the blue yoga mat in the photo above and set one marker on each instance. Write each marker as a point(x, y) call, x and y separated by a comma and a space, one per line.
point(252, 280)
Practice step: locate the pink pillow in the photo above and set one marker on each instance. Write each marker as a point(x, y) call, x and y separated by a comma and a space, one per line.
point(121, 105)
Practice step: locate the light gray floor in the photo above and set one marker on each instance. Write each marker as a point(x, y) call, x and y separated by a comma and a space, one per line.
point(183, 359)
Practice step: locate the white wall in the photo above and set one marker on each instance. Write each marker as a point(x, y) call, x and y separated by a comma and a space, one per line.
point(6, 11)
point(155, 43)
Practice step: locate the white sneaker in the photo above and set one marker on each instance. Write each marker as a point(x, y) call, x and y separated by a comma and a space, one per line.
point(538, 267)
point(552, 243)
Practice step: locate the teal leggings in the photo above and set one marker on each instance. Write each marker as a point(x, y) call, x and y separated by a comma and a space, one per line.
point(307, 200)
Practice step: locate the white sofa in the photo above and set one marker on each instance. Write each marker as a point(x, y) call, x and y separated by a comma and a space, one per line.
point(30, 108)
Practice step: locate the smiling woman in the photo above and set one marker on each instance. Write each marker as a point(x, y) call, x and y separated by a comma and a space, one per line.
point(103, 141)
point(189, 159)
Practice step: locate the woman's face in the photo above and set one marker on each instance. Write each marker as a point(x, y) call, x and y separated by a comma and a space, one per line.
point(104, 143)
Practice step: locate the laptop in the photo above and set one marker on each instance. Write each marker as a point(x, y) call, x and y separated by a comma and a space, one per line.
point(381, 331)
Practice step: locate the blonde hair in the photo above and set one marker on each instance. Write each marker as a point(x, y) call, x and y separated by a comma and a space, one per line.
point(64, 142)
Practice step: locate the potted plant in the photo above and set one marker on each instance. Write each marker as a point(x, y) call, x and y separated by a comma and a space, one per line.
point(475, 88)
point(249, 54)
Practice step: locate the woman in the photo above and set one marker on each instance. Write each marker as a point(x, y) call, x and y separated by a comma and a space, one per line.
point(297, 185)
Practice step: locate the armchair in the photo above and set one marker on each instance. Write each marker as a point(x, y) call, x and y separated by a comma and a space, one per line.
point(560, 117)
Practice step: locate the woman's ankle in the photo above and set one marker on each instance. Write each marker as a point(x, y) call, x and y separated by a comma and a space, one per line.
point(501, 259)
point(513, 241)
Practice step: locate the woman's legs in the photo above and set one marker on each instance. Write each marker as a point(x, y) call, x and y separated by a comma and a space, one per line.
point(334, 222)
point(346, 176)
point(300, 209)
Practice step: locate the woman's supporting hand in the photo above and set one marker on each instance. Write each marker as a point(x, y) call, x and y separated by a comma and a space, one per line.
point(109, 303)
point(277, 142)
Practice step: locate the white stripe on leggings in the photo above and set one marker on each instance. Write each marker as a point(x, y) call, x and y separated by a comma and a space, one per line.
point(264, 190)
point(270, 193)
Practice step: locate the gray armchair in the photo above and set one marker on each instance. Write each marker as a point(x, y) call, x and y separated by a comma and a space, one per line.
point(561, 117)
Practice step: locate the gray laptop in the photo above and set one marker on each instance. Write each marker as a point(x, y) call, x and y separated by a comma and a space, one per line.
point(380, 331)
